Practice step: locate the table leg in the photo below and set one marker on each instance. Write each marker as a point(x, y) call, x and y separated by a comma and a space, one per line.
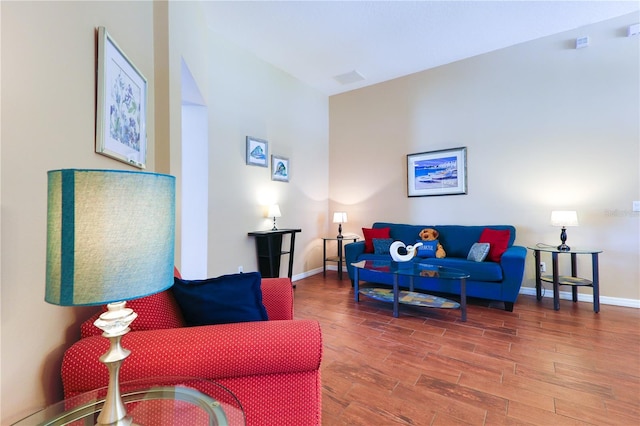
point(574, 273)
point(463, 299)
point(396, 295)
point(291, 249)
point(340, 259)
point(596, 282)
point(273, 270)
point(536, 254)
point(356, 284)
point(556, 284)
point(324, 258)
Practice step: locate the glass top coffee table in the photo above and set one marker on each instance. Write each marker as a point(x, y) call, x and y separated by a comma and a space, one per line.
point(153, 401)
point(410, 270)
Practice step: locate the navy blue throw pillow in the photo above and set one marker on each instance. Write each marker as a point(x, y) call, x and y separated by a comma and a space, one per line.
point(221, 300)
point(381, 245)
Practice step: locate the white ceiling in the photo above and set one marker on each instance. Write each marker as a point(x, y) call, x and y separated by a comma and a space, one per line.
point(316, 41)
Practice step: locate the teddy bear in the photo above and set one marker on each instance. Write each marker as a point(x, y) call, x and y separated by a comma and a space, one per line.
point(430, 234)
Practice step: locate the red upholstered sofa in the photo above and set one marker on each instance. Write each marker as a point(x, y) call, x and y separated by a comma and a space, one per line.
point(272, 367)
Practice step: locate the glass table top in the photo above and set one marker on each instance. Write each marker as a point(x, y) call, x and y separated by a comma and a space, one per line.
point(413, 269)
point(155, 401)
point(554, 249)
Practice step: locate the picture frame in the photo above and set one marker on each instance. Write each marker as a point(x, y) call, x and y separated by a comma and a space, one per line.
point(442, 172)
point(257, 152)
point(121, 105)
point(280, 168)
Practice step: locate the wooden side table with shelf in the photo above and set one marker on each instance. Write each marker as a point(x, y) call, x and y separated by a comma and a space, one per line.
point(574, 281)
point(339, 259)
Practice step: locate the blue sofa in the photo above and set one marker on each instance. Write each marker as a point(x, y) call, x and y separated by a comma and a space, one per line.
point(488, 280)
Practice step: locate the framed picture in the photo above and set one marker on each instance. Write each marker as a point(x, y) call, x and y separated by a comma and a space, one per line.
point(257, 152)
point(441, 172)
point(121, 113)
point(280, 168)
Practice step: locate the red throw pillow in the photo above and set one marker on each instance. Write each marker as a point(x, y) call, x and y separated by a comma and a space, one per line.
point(370, 234)
point(498, 240)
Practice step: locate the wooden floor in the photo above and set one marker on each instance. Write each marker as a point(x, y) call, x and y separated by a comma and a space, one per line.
point(531, 366)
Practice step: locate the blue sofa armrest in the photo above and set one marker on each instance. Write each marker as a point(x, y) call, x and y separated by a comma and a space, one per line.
point(351, 253)
point(512, 263)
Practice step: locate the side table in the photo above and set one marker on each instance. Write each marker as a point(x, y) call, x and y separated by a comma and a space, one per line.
point(153, 401)
point(574, 281)
point(269, 250)
point(339, 258)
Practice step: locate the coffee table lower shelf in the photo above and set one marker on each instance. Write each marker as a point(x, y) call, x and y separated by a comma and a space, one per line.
point(409, 298)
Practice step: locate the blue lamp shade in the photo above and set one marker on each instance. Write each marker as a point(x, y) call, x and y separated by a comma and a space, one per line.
point(110, 235)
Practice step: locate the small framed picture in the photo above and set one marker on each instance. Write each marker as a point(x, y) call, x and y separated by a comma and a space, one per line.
point(121, 112)
point(257, 152)
point(441, 172)
point(279, 168)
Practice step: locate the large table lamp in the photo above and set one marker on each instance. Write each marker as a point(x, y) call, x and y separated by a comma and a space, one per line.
point(110, 238)
point(564, 218)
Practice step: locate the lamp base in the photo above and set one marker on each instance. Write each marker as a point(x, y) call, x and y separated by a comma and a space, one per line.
point(115, 324)
point(339, 231)
point(563, 238)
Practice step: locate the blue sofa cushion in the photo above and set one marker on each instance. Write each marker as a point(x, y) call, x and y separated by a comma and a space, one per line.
point(457, 240)
point(221, 300)
point(408, 234)
point(372, 256)
point(478, 271)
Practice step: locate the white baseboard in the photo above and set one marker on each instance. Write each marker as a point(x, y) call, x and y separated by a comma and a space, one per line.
point(310, 273)
point(584, 297)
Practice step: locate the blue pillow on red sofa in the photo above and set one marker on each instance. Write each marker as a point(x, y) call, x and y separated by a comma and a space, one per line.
point(221, 300)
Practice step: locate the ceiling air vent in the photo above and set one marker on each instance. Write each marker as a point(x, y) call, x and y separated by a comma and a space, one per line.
point(348, 78)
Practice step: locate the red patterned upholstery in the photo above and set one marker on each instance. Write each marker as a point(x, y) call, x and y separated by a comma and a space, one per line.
point(273, 367)
point(155, 312)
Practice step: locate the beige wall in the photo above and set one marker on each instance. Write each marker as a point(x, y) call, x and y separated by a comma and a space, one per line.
point(48, 107)
point(48, 116)
point(546, 127)
point(247, 97)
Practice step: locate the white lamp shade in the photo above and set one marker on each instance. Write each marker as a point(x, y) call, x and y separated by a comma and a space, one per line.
point(274, 211)
point(110, 235)
point(564, 218)
point(340, 217)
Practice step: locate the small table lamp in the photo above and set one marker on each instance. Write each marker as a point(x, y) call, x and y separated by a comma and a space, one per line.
point(110, 238)
point(564, 218)
point(274, 211)
point(340, 218)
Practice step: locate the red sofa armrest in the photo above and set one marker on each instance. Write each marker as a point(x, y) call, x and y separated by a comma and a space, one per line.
point(210, 352)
